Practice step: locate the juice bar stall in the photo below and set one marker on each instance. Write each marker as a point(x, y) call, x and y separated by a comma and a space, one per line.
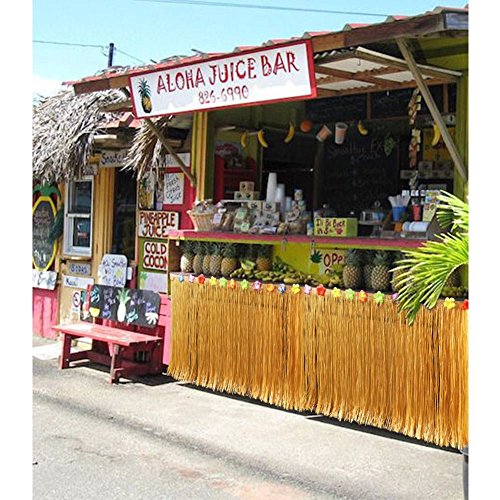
point(314, 163)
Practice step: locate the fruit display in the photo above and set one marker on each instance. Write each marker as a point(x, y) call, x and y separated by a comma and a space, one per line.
point(368, 257)
point(205, 266)
point(264, 258)
point(199, 251)
point(229, 261)
point(352, 274)
point(216, 258)
point(381, 276)
point(187, 256)
point(460, 292)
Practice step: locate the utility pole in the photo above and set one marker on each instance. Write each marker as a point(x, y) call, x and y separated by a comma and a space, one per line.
point(110, 54)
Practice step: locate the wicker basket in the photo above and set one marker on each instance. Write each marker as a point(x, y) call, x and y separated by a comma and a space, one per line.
point(203, 221)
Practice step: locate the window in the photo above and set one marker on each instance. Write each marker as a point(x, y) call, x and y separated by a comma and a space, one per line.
point(78, 218)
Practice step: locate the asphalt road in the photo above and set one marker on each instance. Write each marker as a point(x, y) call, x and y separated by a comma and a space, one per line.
point(161, 439)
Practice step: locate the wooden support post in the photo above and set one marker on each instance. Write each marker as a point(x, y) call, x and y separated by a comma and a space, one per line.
point(66, 351)
point(116, 364)
point(434, 110)
point(167, 146)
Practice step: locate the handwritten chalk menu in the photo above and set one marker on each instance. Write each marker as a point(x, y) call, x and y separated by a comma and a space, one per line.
point(173, 189)
point(44, 249)
point(113, 270)
point(125, 305)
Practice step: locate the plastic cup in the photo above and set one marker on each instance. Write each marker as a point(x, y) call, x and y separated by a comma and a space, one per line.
point(416, 211)
point(397, 213)
point(340, 132)
point(323, 133)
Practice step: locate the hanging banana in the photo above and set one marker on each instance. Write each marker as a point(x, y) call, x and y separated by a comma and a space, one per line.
point(260, 137)
point(291, 133)
point(244, 139)
point(437, 135)
point(362, 129)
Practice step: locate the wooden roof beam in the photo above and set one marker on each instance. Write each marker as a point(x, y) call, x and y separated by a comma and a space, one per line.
point(360, 76)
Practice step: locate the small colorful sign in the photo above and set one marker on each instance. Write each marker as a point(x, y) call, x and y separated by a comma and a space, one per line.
point(83, 268)
point(77, 281)
point(44, 248)
point(264, 75)
point(156, 282)
point(111, 158)
point(155, 255)
point(157, 224)
point(112, 270)
point(44, 279)
point(335, 226)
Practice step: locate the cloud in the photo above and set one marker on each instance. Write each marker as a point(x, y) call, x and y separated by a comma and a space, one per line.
point(45, 87)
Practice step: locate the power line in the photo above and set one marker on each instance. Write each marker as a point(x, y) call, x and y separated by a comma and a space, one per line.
point(104, 48)
point(264, 7)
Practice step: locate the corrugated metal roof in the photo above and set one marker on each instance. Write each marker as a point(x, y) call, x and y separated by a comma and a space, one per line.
point(176, 60)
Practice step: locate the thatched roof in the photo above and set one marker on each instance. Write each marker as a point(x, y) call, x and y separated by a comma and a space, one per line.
point(63, 127)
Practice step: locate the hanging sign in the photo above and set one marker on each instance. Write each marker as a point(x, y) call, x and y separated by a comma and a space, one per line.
point(112, 158)
point(153, 224)
point(44, 248)
point(263, 75)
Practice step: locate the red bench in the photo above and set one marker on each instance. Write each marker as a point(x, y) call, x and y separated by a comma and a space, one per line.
point(128, 350)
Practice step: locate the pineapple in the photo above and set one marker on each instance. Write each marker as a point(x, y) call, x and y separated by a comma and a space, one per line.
point(187, 257)
point(381, 276)
point(453, 279)
point(199, 250)
point(206, 259)
point(368, 268)
point(230, 261)
point(352, 274)
point(145, 93)
point(264, 258)
point(395, 285)
point(216, 258)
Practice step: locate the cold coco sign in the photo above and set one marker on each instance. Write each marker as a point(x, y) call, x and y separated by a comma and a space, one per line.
point(265, 75)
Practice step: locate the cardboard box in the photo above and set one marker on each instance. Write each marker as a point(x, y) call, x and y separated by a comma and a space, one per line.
point(246, 186)
point(336, 226)
point(270, 207)
point(249, 195)
point(255, 205)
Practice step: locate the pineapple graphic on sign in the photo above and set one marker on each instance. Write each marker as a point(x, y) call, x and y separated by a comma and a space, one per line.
point(123, 298)
point(145, 93)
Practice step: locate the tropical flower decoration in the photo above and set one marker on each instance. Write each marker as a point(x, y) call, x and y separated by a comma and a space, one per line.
point(321, 290)
point(181, 278)
point(244, 285)
point(363, 296)
point(213, 281)
point(465, 305)
point(232, 284)
point(191, 278)
point(282, 288)
point(201, 279)
point(257, 286)
point(394, 296)
point(223, 282)
point(295, 289)
point(379, 298)
point(449, 303)
point(307, 290)
point(270, 288)
point(336, 293)
point(350, 294)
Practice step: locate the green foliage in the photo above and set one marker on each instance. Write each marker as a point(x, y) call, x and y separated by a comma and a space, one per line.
point(424, 271)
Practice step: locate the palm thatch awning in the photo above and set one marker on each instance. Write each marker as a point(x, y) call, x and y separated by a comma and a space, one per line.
point(64, 127)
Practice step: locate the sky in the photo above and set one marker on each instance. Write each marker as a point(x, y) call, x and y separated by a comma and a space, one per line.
point(145, 30)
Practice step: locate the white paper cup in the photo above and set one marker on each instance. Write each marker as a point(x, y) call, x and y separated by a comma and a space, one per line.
point(340, 132)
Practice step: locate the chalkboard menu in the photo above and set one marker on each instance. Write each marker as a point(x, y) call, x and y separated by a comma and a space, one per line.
point(125, 305)
point(44, 249)
point(332, 109)
point(359, 172)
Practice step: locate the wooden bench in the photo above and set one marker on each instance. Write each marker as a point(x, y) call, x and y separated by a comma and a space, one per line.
point(128, 349)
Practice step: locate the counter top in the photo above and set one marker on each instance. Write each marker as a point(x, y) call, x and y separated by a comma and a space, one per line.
point(352, 242)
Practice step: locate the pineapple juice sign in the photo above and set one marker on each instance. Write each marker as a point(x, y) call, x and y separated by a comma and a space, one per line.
point(259, 76)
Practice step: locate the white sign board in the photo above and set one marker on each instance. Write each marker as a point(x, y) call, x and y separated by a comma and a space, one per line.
point(153, 224)
point(44, 279)
point(168, 160)
point(173, 189)
point(264, 75)
point(112, 270)
point(156, 282)
point(77, 281)
point(155, 255)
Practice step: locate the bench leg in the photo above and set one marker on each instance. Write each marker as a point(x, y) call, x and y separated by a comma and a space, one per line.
point(66, 351)
point(116, 364)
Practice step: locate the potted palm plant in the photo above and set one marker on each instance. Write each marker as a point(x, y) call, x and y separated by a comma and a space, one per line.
point(423, 273)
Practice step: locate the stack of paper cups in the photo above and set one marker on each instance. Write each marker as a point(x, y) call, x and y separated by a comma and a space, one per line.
point(271, 187)
point(280, 196)
point(288, 203)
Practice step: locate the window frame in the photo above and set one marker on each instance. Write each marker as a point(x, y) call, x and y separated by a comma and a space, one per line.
point(69, 217)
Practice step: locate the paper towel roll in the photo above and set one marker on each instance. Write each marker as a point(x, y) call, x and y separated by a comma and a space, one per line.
point(271, 187)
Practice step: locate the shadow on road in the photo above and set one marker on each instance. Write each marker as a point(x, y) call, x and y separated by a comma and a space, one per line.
point(326, 420)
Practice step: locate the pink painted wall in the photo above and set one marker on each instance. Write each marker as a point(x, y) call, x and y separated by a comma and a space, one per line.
point(44, 312)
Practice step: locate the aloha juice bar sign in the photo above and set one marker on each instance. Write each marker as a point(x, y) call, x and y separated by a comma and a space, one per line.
point(248, 78)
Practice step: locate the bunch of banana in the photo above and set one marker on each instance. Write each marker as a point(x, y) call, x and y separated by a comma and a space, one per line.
point(291, 133)
point(455, 291)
